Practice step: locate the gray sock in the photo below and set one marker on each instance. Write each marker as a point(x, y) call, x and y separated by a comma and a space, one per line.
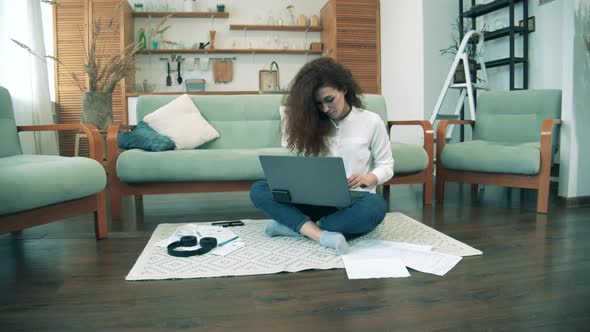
point(335, 241)
point(277, 229)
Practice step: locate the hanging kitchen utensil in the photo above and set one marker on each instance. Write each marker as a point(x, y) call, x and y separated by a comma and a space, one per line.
point(179, 79)
point(223, 70)
point(268, 80)
point(168, 78)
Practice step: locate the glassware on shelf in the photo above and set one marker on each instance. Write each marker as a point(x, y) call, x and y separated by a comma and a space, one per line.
point(500, 24)
point(280, 20)
point(149, 37)
point(258, 20)
point(277, 40)
point(169, 6)
point(270, 18)
point(290, 15)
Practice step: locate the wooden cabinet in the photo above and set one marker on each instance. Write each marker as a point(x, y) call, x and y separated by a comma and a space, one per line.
point(351, 35)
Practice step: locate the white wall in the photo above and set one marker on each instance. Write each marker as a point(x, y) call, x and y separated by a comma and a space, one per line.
point(439, 16)
point(574, 177)
point(246, 66)
point(402, 64)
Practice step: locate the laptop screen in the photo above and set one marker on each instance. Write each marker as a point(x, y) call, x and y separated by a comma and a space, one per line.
point(307, 180)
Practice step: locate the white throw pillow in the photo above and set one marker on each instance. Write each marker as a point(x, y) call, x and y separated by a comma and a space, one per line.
point(283, 126)
point(182, 122)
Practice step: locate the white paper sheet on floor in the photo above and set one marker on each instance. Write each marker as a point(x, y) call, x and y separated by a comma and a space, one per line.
point(388, 259)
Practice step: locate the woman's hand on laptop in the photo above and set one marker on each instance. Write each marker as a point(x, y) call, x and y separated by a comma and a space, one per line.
point(363, 181)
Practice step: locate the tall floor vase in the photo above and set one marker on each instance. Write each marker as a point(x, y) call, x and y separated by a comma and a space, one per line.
point(97, 109)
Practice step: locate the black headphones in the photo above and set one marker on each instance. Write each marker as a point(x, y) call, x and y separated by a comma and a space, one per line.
point(207, 243)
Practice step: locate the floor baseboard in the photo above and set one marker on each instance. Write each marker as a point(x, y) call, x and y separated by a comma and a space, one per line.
point(575, 201)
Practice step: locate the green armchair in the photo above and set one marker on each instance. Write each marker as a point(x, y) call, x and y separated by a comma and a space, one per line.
point(36, 189)
point(513, 143)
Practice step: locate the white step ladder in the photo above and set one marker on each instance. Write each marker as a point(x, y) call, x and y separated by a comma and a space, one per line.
point(465, 88)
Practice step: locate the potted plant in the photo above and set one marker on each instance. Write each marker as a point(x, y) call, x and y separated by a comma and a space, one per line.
point(103, 70)
point(471, 50)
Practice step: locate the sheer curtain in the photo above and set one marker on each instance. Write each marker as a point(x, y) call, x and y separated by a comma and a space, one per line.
point(25, 75)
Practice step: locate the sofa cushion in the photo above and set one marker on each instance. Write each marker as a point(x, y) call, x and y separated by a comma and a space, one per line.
point(236, 117)
point(181, 121)
point(145, 138)
point(493, 157)
point(193, 165)
point(31, 181)
point(515, 116)
point(408, 158)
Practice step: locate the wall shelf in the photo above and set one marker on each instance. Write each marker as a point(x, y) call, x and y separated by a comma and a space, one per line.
point(511, 31)
point(182, 14)
point(480, 10)
point(229, 51)
point(491, 35)
point(274, 28)
point(502, 62)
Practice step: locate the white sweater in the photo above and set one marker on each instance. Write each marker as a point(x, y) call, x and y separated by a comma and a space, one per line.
point(361, 140)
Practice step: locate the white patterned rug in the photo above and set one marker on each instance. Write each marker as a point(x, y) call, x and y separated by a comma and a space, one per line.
point(264, 255)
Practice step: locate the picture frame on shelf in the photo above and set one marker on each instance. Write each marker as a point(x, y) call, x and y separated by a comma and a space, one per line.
point(531, 24)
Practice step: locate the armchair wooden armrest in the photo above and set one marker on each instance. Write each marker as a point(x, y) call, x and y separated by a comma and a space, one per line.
point(112, 144)
point(424, 177)
point(426, 128)
point(547, 128)
point(94, 138)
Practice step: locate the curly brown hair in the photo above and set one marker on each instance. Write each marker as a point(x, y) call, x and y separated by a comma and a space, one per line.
point(307, 128)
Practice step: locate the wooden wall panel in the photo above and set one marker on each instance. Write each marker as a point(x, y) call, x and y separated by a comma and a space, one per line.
point(69, 37)
point(351, 32)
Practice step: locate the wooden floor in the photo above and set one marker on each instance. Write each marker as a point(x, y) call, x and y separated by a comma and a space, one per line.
point(534, 274)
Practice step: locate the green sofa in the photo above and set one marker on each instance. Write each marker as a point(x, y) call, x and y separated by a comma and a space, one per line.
point(249, 125)
point(38, 189)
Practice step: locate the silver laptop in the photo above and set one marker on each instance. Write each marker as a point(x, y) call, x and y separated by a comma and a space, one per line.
point(309, 180)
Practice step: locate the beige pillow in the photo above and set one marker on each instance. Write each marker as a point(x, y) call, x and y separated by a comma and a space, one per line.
point(182, 122)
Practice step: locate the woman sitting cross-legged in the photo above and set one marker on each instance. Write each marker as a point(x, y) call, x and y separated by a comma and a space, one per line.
point(325, 117)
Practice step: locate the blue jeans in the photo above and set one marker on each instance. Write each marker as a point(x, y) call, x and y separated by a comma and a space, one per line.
point(359, 219)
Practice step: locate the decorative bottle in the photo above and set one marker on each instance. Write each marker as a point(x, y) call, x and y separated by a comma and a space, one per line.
point(141, 41)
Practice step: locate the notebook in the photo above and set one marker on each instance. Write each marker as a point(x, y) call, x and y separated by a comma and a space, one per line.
point(309, 180)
